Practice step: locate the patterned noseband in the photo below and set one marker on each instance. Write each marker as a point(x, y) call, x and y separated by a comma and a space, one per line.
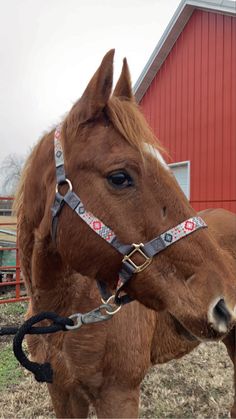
point(147, 250)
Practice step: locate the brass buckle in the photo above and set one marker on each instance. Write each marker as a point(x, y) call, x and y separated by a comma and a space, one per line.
point(137, 248)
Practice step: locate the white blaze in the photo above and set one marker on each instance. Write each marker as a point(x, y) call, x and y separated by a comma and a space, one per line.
point(156, 153)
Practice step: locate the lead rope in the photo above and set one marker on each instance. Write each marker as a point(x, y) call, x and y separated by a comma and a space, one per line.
point(43, 372)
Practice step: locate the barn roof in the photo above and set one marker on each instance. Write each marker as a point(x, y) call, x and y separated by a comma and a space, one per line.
point(171, 34)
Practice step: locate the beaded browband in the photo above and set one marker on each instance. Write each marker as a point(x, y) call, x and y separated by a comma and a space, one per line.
point(147, 250)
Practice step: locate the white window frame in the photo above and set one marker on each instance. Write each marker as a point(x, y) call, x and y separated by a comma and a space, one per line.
point(181, 163)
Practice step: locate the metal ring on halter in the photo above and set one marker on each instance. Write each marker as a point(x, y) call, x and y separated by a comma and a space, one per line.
point(111, 300)
point(64, 181)
point(77, 321)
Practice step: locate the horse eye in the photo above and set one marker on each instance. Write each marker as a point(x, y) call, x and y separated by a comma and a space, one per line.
point(120, 180)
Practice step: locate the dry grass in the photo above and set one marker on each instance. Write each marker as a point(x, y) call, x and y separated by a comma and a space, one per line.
point(197, 386)
point(200, 385)
point(26, 399)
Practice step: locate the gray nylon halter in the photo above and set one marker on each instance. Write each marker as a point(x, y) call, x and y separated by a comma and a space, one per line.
point(147, 250)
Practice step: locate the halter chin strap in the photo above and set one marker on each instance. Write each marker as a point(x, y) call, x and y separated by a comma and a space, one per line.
point(147, 250)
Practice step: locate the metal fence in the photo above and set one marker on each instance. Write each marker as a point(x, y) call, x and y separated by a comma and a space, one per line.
point(11, 283)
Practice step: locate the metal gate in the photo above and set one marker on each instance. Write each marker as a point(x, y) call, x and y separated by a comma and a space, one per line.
point(10, 273)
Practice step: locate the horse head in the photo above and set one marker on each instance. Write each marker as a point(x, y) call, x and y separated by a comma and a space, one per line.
point(113, 163)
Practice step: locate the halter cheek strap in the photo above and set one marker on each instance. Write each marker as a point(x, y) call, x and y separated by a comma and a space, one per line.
point(147, 250)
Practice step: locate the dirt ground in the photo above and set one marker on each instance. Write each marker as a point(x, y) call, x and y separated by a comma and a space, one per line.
point(198, 386)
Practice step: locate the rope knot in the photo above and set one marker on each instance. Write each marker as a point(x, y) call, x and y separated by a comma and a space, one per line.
point(42, 372)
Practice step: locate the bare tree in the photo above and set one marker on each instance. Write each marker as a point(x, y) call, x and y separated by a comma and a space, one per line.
point(10, 171)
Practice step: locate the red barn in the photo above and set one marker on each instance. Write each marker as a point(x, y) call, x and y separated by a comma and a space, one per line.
point(187, 91)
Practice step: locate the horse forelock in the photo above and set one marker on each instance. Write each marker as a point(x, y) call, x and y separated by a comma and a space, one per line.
point(129, 121)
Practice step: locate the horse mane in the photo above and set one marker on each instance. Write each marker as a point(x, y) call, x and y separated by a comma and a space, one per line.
point(128, 119)
point(19, 195)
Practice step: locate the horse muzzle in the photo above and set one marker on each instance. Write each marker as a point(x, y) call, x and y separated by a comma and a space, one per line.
point(221, 318)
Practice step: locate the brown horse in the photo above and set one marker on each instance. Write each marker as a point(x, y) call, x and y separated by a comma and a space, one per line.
point(104, 140)
point(104, 364)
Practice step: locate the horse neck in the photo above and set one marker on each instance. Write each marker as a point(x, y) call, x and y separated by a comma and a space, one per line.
point(48, 280)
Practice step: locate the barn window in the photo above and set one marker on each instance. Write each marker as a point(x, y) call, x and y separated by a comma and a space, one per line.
point(181, 171)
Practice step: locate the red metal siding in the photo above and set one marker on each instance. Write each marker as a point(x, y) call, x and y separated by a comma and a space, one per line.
point(191, 106)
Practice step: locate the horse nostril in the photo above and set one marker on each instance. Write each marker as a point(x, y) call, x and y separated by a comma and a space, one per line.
point(221, 313)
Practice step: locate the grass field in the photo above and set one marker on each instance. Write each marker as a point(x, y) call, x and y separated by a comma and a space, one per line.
point(197, 386)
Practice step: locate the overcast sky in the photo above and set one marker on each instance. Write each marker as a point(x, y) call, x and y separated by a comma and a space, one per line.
point(49, 50)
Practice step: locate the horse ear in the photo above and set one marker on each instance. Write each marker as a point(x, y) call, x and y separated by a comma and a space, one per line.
point(97, 93)
point(123, 88)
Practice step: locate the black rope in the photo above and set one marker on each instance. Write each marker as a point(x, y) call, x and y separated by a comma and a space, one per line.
point(42, 372)
point(8, 330)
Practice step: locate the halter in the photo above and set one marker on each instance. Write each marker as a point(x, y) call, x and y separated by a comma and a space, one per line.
point(147, 250)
